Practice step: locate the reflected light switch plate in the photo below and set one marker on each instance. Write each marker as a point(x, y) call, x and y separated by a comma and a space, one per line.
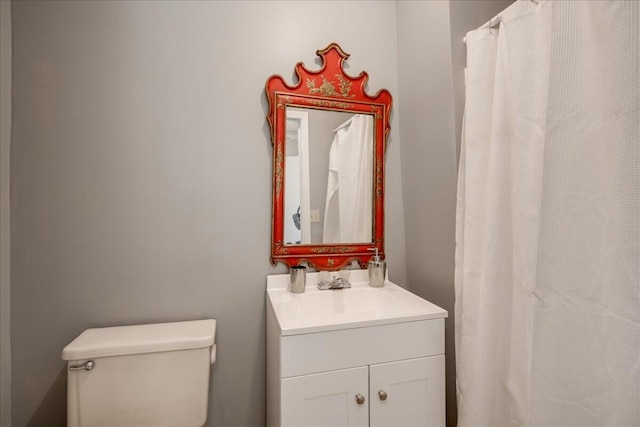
point(315, 215)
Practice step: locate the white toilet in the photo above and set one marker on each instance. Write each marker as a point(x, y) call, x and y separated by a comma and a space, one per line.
point(136, 376)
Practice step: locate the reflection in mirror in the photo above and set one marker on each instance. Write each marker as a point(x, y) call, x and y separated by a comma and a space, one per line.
point(329, 177)
point(296, 203)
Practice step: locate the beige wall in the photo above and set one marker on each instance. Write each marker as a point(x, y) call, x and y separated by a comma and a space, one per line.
point(5, 225)
point(141, 175)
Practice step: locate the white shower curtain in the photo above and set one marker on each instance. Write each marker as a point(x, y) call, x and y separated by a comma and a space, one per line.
point(547, 304)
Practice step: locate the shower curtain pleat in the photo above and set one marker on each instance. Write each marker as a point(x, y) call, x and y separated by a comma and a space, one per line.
point(548, 219)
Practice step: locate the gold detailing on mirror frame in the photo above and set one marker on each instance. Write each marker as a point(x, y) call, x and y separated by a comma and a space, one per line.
point(376, 110)
point(345, 86)
point(334, 249)
point(378, 179)
point(283, 101)
point(279, 169)
point(330, 104)
point(330, 262)
point(279, 248)
point(328, 88)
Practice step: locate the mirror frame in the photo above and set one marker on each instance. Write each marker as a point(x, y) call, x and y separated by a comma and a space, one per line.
point(329, 88)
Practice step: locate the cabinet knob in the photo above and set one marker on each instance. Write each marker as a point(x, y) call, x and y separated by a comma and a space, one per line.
point(359, 399)
point(382, 395)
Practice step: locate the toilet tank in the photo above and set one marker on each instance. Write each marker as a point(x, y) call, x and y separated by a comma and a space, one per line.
point(136, 376)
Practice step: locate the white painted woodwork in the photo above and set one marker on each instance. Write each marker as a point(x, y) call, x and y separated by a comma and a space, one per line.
point(325, 351)
point(415, 393)
point(326, 399)
point(273, 368)
point(324, 348)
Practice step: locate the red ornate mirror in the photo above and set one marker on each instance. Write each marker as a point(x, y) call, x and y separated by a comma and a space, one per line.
point(328, 139)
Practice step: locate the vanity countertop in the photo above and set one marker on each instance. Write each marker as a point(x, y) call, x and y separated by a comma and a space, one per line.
point(330, 310)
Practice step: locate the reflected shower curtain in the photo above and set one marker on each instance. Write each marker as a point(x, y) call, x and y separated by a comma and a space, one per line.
point(547, 304)
point(349, 202)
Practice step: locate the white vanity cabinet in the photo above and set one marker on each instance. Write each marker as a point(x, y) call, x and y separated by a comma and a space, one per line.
point(404, 393)
point(326, 399)
point(408, 393)
point(354, 357)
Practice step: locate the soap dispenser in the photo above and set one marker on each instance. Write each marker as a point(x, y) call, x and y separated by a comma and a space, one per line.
point(377, 269)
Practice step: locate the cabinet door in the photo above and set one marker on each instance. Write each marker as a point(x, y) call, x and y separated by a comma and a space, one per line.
point(326, 399)
point(408, 393)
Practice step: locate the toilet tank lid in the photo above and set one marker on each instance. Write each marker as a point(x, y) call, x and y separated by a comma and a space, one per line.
point(122, 340)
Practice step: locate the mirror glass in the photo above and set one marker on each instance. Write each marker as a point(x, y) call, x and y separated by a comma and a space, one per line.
point(328, 179)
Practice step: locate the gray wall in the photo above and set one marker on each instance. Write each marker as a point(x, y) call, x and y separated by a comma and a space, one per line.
point(141, 175)
point(5, 225)
point(141, 168)
point(431, 58)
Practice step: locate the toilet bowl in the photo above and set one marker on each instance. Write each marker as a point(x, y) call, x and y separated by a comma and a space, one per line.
point(137, 376)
